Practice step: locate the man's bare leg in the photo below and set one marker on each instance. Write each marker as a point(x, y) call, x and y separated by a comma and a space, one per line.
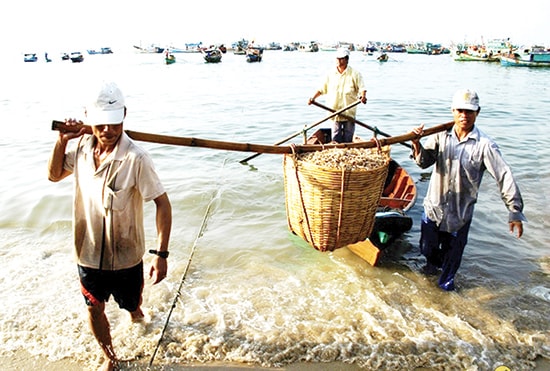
point(137, 315)
point(101, 330)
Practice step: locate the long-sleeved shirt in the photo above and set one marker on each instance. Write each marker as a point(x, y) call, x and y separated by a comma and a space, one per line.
point(342, 89)
point(456, 177)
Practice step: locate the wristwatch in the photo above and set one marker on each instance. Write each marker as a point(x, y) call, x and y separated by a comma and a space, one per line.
point(162, 254)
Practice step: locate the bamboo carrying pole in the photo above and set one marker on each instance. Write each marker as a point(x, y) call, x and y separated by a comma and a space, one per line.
point(258, 148)
point(373, 129)
point(334, 113)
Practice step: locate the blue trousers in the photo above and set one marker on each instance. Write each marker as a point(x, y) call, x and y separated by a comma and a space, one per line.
point(443, 249)
point(342, 131)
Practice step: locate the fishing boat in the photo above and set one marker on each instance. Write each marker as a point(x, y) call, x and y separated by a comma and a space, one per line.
point(212, 55)
point(290, 47)
point(398, 196)
point(76, 57)
point(192, 48)
point(254, 54)
point(310, 47)
point(239, 47)
point(169, 58)
point(536, 56)
point(105, 50)
point(30, 57)
point(149, 49)
point(274, 46)
point(474, 53)
point(382, 57)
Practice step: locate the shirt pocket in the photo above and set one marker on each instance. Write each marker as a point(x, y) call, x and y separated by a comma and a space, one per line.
point(117, 200)
point(471, 168)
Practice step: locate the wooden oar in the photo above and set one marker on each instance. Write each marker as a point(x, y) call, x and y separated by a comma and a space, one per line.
point(259, 148)
point(374, 130)
point(334, 113)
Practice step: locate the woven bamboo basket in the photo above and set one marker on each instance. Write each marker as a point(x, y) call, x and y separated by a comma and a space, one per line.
point(331, 208)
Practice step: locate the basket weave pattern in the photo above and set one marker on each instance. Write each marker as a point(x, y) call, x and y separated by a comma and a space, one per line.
point(331, 208)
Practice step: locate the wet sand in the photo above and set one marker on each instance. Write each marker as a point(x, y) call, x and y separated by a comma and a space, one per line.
point(23, 361)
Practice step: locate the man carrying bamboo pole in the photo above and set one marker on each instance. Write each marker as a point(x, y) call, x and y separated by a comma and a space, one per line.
point(113, 176)
point(461, 155)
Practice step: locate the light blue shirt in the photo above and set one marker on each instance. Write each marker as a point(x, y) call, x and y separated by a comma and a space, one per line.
point(456, 177)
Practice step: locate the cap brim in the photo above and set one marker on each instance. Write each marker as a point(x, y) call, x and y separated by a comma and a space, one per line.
point(97, 117)
point(470, 107)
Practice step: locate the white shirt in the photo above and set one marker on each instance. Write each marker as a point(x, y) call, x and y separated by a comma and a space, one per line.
point(108, 203)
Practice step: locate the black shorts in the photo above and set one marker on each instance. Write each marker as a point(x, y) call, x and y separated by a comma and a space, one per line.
point(126, 286)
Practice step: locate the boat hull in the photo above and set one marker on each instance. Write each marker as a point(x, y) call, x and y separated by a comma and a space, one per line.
point(512, 62)
point(254, 55)
point(30, 58)
point(212, 56)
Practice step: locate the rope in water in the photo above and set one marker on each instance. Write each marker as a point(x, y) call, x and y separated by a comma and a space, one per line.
point(193, 249)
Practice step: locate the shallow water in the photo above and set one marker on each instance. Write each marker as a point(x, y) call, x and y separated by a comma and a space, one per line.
point(254, 293)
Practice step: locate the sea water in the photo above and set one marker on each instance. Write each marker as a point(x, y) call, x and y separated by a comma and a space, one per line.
point(241, 287)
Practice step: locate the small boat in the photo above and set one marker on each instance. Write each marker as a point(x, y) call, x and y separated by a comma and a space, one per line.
point(149, 49)
point(274, 46)
point(76, 57)
point(65, 57)
point(212, 55)
point(100, 51)
point(239, 47)
point(30, 57)
point(382, 57)
point(398, 196)
point(310, 47)
point(254, 54)
point(193, 47)
point(290, 47)
point(534, 57)
point(169, 58)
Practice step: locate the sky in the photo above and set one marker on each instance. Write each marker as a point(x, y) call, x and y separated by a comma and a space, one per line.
point(86, 24)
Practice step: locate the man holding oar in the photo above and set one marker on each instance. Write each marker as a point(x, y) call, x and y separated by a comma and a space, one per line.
point(460, 156)
point(342, 86)
point(113, 176)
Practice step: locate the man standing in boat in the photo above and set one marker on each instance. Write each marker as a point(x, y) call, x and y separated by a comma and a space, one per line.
point(113, 176)
point(460, 157)
point(343, 86)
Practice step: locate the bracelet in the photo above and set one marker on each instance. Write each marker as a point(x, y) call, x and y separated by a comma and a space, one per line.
point(162, 254)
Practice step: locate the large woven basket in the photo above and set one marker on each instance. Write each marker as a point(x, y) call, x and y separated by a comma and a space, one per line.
point(331, 208)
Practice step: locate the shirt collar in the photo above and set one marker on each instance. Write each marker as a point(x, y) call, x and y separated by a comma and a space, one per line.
point(474, 134)
point(121, 147)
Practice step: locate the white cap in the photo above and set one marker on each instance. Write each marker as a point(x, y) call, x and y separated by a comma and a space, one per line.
point(107, 106)
point(342, 53)
point(465, 99)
